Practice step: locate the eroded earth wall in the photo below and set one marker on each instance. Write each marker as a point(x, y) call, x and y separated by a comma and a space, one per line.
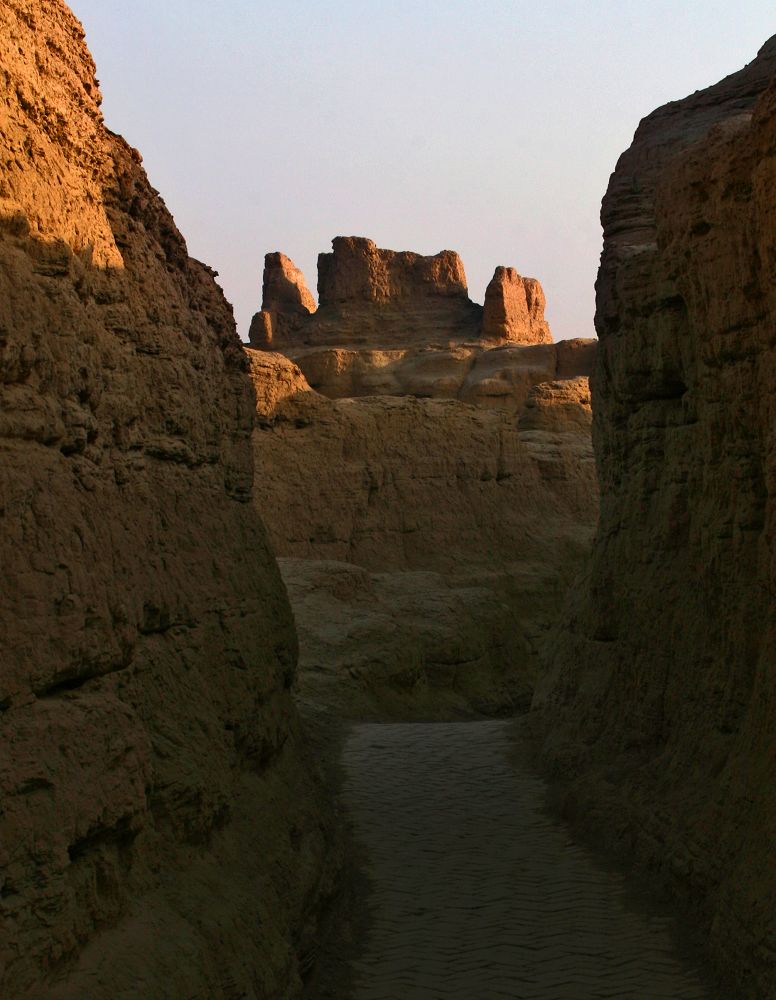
point(159, 833)
point(661, 691)
point(401, 482)
point(474, 517)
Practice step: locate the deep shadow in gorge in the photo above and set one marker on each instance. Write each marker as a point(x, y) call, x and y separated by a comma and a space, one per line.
point(464, 884)
point(391, 505)
point(655, 694)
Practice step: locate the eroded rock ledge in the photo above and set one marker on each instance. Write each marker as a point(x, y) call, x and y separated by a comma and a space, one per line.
point(160, 835)
point(660, 693)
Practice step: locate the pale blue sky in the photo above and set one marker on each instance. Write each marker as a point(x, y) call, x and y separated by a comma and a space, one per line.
point(489, 128)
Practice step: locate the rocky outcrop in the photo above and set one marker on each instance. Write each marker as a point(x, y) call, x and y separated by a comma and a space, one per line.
point(660, 697)
point(286, 300)
point(374, 298)
point(514, 310)
point(380, 297)
point(430, 501)
point(149, 741)
point(459, 496)
point(388, 482)
point(285, 290)
point(358, 271)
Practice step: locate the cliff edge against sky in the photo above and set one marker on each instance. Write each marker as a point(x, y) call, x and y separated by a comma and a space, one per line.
point(149, 741)
point(660, 693)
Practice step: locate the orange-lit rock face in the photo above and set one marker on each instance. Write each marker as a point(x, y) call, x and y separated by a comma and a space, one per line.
point(385, 299)
point(53, 140)
point(284, 287)
point(359, 271)
point(286, 300)
point(664, 675)
point(514, 310)
point(147, 643)
point(262, 331)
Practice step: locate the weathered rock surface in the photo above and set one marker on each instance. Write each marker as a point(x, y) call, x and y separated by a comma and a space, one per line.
point(514, 310)
point(575, 357)
point(389, 482)
point(284, 289)
point(381, 297)
point(410, 644)
point(499, 378)
point(661, 696)
point(286, 300)
point(388, 300)
point(359, 271)
point(149, 741)
point(432, 486)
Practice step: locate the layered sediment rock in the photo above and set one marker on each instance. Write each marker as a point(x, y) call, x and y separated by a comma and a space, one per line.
point(380, 297)
point(459, 498)
point(400, 482)
point(374, 298)
point(497, 378)
point(285, 290)
point(433, 505)
point(149, 741)
point(390, 324)
point(661, 695)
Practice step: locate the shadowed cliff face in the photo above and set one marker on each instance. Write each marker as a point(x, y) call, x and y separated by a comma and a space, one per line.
point(661, 692)
point(148, 737)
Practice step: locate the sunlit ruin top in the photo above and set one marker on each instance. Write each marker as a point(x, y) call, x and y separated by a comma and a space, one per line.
point(388, 298)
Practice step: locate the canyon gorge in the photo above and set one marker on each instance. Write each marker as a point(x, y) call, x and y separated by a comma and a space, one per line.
point(292, 628)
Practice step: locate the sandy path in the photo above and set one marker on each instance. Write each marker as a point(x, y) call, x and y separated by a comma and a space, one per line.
point(476, 892)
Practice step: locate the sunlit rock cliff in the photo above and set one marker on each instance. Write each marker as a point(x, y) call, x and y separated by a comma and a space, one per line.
point(388, 299)
point(160, 835)
point(661, 692)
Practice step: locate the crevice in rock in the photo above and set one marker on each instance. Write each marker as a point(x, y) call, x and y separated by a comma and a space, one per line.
point(120, 836)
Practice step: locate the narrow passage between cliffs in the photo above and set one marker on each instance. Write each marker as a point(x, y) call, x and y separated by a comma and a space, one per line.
point(475, 892)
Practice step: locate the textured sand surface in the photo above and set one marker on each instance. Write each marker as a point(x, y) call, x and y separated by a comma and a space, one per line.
point(476, 893)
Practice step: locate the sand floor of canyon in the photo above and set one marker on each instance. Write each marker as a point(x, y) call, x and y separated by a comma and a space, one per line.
point(465, 886)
